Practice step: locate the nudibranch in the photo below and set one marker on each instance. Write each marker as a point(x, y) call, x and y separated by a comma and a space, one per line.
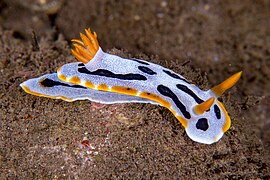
point(106, 78)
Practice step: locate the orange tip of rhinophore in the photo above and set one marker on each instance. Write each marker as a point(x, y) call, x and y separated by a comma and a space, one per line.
point(86, 48)
point(204, 106)
point(227, 84)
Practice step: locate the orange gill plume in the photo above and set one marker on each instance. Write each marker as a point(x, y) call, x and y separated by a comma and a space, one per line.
point(86, 48)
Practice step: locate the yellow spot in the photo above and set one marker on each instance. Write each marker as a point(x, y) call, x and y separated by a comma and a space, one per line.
point(62, 77)
point(89, 85)
point(103, 87)
point(204, 106)
point(225, 85)
point(227, 124)
point(156, 98)
point(124, 90)
point(86, 49)
point(75, 80)
point(26, 89)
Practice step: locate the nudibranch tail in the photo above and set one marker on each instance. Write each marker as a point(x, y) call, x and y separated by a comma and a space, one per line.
point(227, 84)
point(204, 106)
point(86, 49)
